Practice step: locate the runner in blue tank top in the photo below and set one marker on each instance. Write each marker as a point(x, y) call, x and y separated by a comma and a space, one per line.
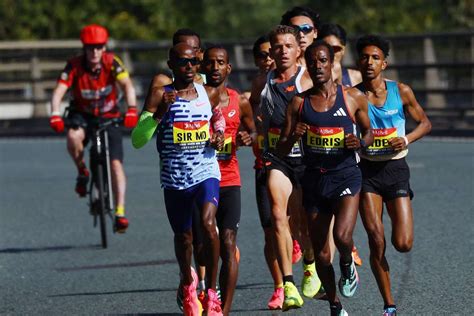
point(385, 173)
point(323, 118)
point(183, 117)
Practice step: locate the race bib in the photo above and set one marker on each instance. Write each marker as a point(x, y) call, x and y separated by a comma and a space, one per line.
point(325, 140)
point(381, 138)
point(274, 136)
point(190, 135)
point(260, 142)
point(226, 152)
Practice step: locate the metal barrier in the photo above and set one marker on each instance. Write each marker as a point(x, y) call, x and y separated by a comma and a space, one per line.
point(439, 68)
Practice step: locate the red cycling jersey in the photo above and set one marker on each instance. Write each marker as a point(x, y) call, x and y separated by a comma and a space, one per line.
point(227, 158)
point(94, 92)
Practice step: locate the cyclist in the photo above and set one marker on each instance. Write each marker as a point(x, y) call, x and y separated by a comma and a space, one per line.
point(92, 78)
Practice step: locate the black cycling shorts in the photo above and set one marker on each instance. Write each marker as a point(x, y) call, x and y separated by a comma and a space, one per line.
point(263, 202)
point(229, 209)
point(292, 167)
point(114, 132)
point(389, 179)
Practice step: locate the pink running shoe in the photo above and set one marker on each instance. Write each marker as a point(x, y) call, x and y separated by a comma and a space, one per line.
point(213, 304)
point(191, 304)
point(276, 301)
point(297, 253)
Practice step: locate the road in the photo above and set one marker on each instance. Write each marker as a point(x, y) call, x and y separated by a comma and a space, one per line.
point(51, 262)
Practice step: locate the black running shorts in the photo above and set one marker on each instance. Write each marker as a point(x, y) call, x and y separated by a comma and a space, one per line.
point(292, 167)
point(228, 211)
point(263, 202)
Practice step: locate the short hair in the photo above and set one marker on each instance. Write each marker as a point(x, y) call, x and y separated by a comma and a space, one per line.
point(184, 32)
point(301, 11)
point(373, 40)
point(215, 46)
point(256, 46)
point(284, 29)
point(336, 30)
point(316, 44)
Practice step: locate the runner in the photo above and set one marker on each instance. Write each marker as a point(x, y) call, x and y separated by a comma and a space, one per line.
point(335, 35)
point(307, 22)
point(283, 178)
point(385, 172)
point(265, 63)
point(189, 169)
point(236, 111)
point(92, 77)
point(326, 115)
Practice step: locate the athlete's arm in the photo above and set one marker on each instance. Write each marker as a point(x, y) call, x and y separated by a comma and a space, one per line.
point(258, 84)
point(413, 108)
point(358, 106)
point(127, 87)
point(57, 97)
point(306, 81)
point(293, 130)
point(249, 134)
point(217, 119)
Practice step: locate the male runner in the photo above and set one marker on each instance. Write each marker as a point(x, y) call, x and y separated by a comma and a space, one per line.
point(189, 169)
point(385, 172)
point(325, 118)
point(236, 111)
point(283, 175)
point(93, 77)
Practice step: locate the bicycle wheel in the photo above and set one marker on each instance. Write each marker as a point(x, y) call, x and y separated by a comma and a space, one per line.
point(102, 203)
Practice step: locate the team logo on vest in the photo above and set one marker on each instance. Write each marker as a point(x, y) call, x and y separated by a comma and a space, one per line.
point(231, 113)
point(325, 140)
point(274, 136)
point(191, 135)
point(340, 112)
point(89, 94)
point(226, 152)
point(381, 144)
point(290, 88)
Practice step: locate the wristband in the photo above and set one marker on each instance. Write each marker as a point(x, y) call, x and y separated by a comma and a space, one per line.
point(406, 140)
point(55, 113)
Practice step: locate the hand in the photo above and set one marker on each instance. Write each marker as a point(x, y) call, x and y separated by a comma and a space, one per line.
point(397, 143)
point(57, 124)
point(243, 139)
point(300, 130)
point(352, 142)
point(217, 140)
point(169, 97)
point(131, 117)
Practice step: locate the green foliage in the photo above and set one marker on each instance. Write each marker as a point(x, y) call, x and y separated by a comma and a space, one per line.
point(237, 19)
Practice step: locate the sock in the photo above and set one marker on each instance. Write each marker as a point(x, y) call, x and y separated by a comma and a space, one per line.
point(288, 278)
point(346, 269)
point(335, 306)
point(389, 306)
point(120, 211)
point(308, 262)
point(202, 285)
point(82, 169)
point(278, 286)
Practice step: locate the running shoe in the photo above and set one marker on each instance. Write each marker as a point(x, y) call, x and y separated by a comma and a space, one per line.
point(348, 286)
point(311, 283)
point(179, 292)
point(81, 182)
point(276, 301)
point(121, 224)
point(322, 295)
point(337, 310)
point(390, 311)
point(201, 297)
point(213, 303)
point(297, 253)
point(356, 257)
point(237, 254)
point(292, 297)
point(191, 304)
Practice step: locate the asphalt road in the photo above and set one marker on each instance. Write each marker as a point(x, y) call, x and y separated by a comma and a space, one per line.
point(51, 262)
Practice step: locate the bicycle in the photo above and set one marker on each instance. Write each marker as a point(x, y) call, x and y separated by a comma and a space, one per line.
point(101, 200)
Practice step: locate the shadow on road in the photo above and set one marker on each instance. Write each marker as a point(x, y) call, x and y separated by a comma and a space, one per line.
point(114, 292)
point(119, 265)
point(49, 249)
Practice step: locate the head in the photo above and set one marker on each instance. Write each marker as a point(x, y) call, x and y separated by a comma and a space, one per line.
point(261, 54)
point(306, 21)
point(189, 37)
point(334, 35)
point(216, 65)
point(372, 52)
point(94, 38)
point(319, 58)
point(183, 62)
point(285, 49)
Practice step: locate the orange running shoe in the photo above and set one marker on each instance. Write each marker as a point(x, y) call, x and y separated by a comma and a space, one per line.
point(237, 254)
point(276, 301)
point(356, 257)
point(297, 253)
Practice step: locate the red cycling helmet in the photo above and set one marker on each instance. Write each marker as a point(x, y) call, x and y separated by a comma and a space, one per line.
point(94, 34)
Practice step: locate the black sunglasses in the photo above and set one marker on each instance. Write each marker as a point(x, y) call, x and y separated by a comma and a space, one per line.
point(262, 55)
point(304, 28)
point(181, 62)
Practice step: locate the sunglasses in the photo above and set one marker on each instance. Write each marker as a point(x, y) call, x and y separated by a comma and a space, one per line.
point(262, 55)
point(94, 46)
point(336, 48)
point(304, 28)
point(181, 62)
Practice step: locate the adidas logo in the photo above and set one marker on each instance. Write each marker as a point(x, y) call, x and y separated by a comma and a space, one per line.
point(346, 192)
point(340, 112)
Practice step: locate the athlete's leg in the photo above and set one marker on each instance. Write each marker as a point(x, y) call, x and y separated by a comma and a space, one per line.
point(401, 214)
point(295, 205)
point(371, 210)
point(75, 145)
point(279, 190)
point(183, 248)
point(346, 210)
point(119, 183)
point(229, 269)
point(211, 242)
